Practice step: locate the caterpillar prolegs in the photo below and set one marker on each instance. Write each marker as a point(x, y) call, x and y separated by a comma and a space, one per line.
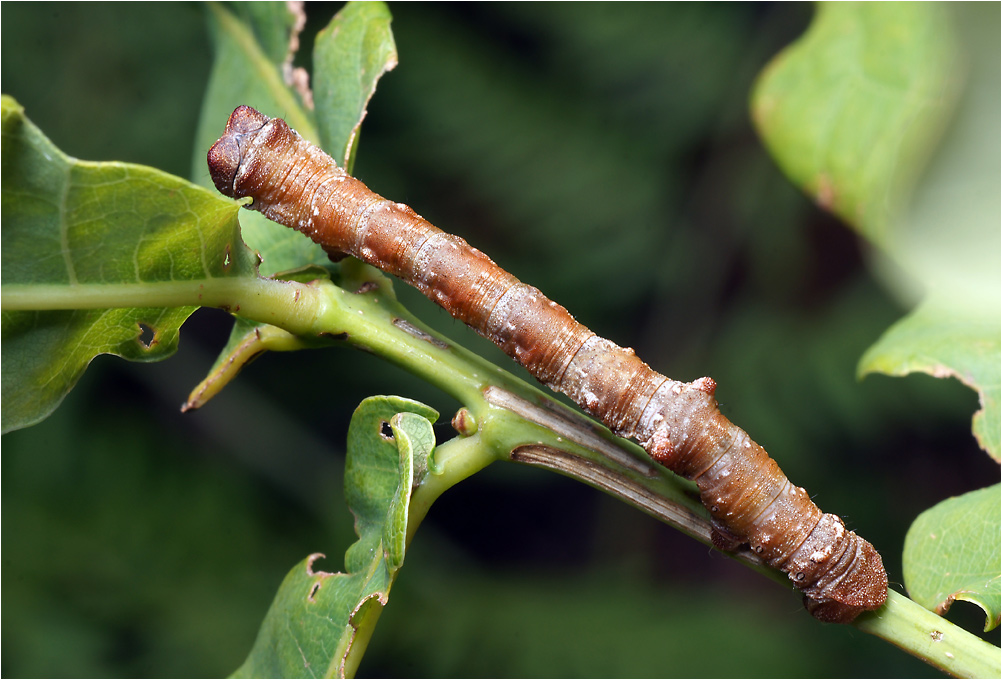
point(749, 498)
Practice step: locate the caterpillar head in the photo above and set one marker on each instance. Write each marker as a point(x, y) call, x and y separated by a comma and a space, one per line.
point(227, 153)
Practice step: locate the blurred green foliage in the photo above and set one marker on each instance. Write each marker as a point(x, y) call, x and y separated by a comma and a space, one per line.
point(602, 153)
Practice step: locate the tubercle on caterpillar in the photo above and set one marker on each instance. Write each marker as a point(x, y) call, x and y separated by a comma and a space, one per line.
point(749, 498)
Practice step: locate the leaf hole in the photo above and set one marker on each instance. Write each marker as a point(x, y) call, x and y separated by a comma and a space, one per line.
point(147, 335)
point(385, 431)
point(313, 591)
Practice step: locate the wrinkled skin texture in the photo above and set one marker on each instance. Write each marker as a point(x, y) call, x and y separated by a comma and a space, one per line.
point(749, 498)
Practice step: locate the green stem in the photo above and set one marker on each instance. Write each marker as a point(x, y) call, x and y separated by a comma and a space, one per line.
point(455, 460)
point(918, 631)
point(296, 307)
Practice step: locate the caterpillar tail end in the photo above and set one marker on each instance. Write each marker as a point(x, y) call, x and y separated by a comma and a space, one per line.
point(860, 589)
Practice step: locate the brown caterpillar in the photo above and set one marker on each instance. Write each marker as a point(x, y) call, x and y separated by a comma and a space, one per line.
point(749, 498)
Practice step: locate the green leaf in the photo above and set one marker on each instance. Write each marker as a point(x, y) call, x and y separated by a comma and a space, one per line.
point(952, 552)
point(311, 628)
point(849, 108)
point(416, 442)
point(949, 240)
point(853, 113)
point(274, 25)
point(79, 240)
point(350, 56)
point(937, 340)
point(372, 475)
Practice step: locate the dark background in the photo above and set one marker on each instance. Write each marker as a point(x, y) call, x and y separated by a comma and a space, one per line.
point(600, 152)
